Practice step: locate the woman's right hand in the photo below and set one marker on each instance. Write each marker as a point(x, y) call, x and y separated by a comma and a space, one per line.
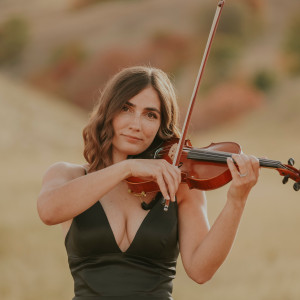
point(167, 176)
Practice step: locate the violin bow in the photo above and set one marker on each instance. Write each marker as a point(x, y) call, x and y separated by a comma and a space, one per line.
point(196, 87)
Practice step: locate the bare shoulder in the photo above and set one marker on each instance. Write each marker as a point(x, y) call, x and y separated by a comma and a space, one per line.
point(187, 196)
point(61, 172)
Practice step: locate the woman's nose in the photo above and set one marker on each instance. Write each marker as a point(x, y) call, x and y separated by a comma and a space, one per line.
point(135, 122)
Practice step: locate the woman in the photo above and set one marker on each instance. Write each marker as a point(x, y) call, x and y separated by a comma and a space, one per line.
point(117, 250)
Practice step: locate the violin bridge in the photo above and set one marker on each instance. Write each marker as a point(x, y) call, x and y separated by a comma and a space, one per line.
point(172, 151)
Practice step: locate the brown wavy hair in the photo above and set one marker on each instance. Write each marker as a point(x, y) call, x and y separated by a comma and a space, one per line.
point(126, 84)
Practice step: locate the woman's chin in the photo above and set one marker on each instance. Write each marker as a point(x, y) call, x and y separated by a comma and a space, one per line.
point(133, 152)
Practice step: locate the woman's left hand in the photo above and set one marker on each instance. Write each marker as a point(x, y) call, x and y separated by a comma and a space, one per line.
point(244, 175)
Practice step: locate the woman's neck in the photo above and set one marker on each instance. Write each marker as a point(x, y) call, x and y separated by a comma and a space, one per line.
point(118, 157)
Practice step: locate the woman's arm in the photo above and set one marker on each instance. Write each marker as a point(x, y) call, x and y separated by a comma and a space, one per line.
point(66, 192)
point(203, 250)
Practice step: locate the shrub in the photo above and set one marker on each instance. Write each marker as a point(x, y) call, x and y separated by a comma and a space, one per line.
point(264, 80)
point(234, 31)
point(13, 40)
point(72, 50)
point(81, 4)
point(291, 45)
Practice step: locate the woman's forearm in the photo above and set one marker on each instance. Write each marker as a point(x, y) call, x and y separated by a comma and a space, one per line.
point(69, 199)
point(213, 250)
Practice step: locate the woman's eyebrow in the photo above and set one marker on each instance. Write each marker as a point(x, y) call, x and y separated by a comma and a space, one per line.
point(146, 108)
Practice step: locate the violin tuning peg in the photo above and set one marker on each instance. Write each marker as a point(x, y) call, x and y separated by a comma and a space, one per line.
point(285, 179)
point(291, 162)
point(296, 186)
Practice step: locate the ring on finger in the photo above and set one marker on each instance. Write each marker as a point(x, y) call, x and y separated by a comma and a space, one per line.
point(243, 175)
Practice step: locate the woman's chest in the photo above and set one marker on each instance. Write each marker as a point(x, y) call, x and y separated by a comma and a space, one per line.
point(124, 216)
point(105, 228)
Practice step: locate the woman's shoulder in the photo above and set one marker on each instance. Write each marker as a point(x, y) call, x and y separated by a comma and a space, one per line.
point(65, 170)
point(67, 166)
point(187, 195)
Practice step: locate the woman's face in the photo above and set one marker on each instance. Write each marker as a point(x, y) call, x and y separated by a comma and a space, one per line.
point(136, 126)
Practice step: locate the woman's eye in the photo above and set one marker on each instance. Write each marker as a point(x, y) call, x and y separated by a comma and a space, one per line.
point(152, 115)
point(125, 108)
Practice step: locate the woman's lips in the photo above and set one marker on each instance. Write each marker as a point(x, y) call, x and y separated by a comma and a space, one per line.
point(133, 138)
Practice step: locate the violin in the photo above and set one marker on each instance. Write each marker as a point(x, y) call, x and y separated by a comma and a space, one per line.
point(206, 168)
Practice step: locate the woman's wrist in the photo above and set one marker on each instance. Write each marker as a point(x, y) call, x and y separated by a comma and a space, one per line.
point(126, 168)
point(236, 202)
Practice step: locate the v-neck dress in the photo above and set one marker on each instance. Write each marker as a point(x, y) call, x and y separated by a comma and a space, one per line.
point(101, 271)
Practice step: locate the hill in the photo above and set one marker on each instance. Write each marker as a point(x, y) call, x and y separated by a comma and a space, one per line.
point(67, 44)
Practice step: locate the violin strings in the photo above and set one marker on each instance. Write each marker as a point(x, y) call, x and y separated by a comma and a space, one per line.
point(221, 156)
point(208, 156)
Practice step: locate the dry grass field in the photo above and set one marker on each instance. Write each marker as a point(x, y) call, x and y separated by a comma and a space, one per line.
point(37, 130)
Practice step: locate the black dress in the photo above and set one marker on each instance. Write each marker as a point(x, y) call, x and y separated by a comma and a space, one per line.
point(101, 271)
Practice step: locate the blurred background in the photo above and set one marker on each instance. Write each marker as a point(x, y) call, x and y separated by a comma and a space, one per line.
point(55, 57)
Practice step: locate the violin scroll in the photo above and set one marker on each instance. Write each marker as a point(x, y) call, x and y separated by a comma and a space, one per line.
point(289, 172)
point(296, 186)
